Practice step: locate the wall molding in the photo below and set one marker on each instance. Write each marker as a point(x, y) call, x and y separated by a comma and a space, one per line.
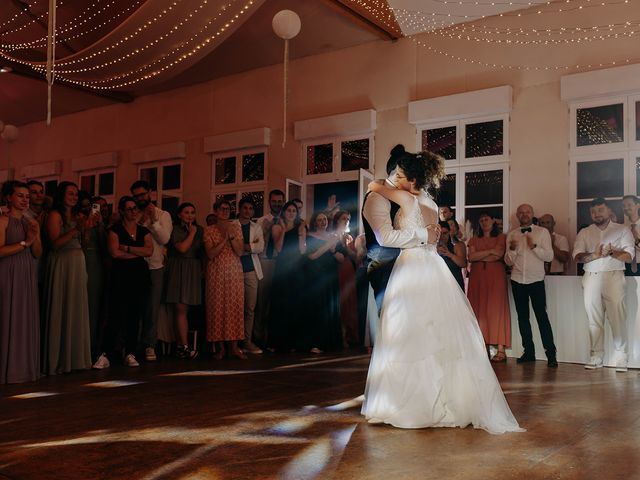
point(598, 83)
point(41, 170)
point(156, 153)
point(95, 162)
point(256, 137)
point(345, 124)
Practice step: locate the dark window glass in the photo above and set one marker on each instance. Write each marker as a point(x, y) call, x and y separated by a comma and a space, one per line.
point(602, 178)
point(225, 170)
point(294, 191)
point(171, 177)
point(441, 141)
point(484, 139)
point(150, 175)
point(258, 201)
point(637, 121)
point(637, 175)
point(50, 187)
point(355, 155)
point(600, 125)
point(253, 167)
point(170, 204)
point(231, 198)
point(472, 215)
point(483, 188)
point(105, 182)
point(584, 213)
point(88, 184)
point(447, 193)
point(319, 159)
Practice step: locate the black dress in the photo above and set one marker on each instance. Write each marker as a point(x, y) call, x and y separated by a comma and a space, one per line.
point(322, 326)
point(456, 271)
point(286, 302)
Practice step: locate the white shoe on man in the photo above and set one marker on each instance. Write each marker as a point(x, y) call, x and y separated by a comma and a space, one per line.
point(102, 362)
point(150, 354)
point(593, 363)
point(130, 361)
point(621, 362)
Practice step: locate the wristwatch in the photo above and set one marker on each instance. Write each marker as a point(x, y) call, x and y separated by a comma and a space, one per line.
point(23, 244)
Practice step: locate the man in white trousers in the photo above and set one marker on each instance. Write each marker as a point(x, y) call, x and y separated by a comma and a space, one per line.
point(604, 247)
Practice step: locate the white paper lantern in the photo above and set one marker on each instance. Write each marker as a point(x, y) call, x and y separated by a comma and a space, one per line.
point(286, 24)
point(9, 133)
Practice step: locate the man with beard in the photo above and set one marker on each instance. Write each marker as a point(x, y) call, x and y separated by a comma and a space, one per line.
point(604, 247)
point(160, 225)
point(36, 201)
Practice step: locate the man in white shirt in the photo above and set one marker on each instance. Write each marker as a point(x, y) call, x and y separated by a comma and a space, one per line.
point(560, 246)
point(268, 263)
point(528, 247)
point(160, 225)
point(253, 240)
point(604, 247)
point(630, 207)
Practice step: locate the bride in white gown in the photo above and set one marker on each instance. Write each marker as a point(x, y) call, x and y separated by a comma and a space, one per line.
point(429, 366)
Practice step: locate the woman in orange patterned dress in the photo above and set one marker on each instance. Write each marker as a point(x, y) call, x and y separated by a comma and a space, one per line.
point(487, 291)
point(224, 283)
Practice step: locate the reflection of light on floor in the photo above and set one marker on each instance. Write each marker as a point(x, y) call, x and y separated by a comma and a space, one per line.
point(112, 384)
point(290, 426)
point(211, 373)
point(321, 362)
point(35, 395)
point(353, 403)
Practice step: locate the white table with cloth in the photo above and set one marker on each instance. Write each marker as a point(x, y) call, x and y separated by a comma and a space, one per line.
point(565, 307)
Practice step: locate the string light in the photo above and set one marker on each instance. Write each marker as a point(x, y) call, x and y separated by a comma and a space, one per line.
point(39, 18)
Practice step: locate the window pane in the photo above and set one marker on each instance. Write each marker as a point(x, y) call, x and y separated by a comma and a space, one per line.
point(355, 155)
point(441, 141)
point(319, 159)
point(253, 167)
point(171, 177)
point(447, 193)
point(88, 184)
point(602, 178)
point(637, 121)
point(225, 170)
point(483, 188)
point(483, 139)
point(170, 204)
point(105, 184)
point(258, 201)
point(231, 198)
point(471, 216)
point(584, 215)
point(637, 175)
point(150, 175)
point(600, 125)
point(50, 187)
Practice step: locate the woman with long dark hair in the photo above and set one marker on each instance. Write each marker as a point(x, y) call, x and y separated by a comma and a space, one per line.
point(347, 261)
point(453, 254)
point(66, 336)
point(487, 292)
point(289, 237)
point(184, 272)
point(20, 248)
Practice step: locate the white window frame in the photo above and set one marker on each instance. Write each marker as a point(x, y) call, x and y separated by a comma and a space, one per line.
point(157, 194)
point(607, 147)
point(110, 199)
point(238, 154)
point(336, 175)
point(633, 121)
point(461, 125)
point(238, 193)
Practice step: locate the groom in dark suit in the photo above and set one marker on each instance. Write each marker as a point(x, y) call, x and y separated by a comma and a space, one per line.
point(383, 242)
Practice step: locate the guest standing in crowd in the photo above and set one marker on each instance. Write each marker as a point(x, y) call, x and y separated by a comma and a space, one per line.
point(560, 245)
point(528, 247)
point(630, 206)
point(445, 213)
point(268, 264)
point(253, 240)
point(487, 290)
point(67, 334)
point(129, 244)
point(20, 247)
point(285, 315)
point(159, 223)
point(454, 255)
point(36, 202)
point(347, 277)
point(184, 273)
point(604, 247)
point(322, 329)
point(225, 283)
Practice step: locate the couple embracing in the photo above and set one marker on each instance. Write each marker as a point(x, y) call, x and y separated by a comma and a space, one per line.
point(429, 367)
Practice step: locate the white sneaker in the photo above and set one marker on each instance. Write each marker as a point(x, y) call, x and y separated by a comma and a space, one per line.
point(593, 363)
point(130, 361)
point(102, 362)
point(621, 363)
point(252, 348)
point(150, 354)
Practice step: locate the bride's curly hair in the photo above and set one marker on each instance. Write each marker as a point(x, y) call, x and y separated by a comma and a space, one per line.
point(425, 168)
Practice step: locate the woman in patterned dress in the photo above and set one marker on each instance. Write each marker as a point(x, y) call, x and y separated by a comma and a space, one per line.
point(224, 283)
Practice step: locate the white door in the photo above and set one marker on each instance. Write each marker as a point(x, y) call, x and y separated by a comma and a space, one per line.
point(364, 179)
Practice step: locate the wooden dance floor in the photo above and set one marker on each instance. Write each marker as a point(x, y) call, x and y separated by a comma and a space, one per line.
point(291, 417)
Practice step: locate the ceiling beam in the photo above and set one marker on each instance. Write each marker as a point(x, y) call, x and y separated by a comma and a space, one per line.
point(353, 14)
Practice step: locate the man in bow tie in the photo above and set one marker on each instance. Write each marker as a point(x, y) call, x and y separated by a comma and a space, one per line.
point(528, 248)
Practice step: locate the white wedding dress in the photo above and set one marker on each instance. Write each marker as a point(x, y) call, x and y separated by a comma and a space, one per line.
point(429, 366)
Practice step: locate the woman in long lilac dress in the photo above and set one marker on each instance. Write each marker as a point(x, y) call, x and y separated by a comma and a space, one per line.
point(20, 248)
